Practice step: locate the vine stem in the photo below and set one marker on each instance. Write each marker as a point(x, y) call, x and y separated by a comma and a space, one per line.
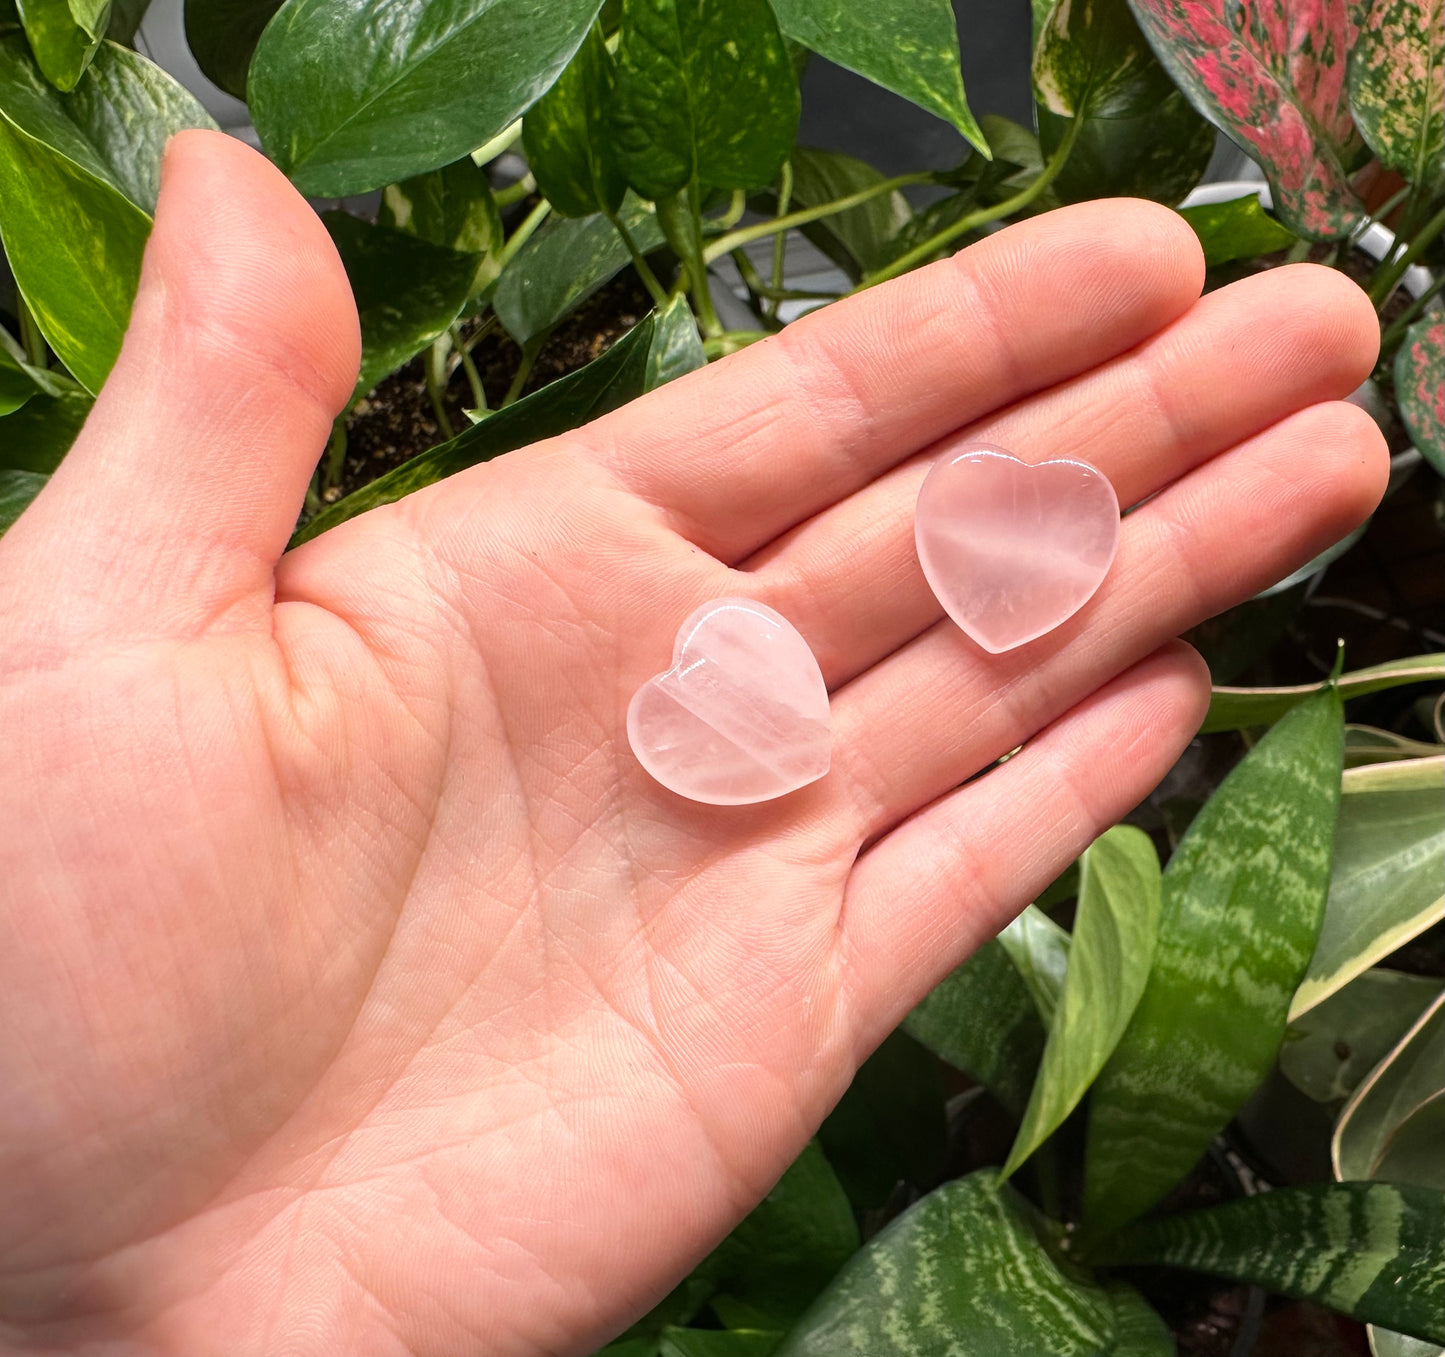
point(514, 193)
point(973, 220)
point(681, 224)
point(436, 382)
point(524, 232)
point(474, 378)
point(530, 350)
point(780, 240)
point(655, 289)
point(730, 341)
point(335, 456)
point(1388, 275)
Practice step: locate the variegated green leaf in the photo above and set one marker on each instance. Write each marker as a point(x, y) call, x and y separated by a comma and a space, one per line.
point(1420, 387)
point(862, 238)
point(17, 382)
point(676, 345)
point(982, 1020)
point(1108, 963)
point(1092, 59)
point(1374, 1251)
point(968, 1270)
point(1272, 75)
point(1238, 708)
point(1243, 897)
point(1238, 229)
point(1387, 884)
point(1039, 950)
point(1397, 86)
point(64, 36)
point(452, 207)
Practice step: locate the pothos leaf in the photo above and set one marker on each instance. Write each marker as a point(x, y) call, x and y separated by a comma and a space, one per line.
point(453, 207)
point(222, 36)
point(1272, 75)
point(1397, 86)
point(64, 37)
point(1238, 229)
point(1420, 387)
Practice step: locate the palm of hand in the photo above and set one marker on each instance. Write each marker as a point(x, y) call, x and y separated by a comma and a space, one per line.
point(369, 995)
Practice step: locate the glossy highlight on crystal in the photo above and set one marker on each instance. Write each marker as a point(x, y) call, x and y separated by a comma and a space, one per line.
point(1013, 550)
point(742, 715)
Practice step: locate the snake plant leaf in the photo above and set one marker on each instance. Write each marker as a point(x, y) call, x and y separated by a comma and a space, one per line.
point(1374, 1251)
point(1108, 964)
point(861, 238)
point(562, 265)
point(1273, 77)
point(1330, 1049)
point(566, 135)
point(17, 489)
point(982, 1020)
point(910, 49)
point(1240, 708)
point(1039, 950)
point(1387, 884)
point(1243, 899)
point(1237, 229)
point(968, 1269)
point(349, 95)
point(676, 345)
point(1420, 387)
point(618, 376)
point(705, 93)
point(453, 207)
point(222, 36)
point(64, 35)
point(407, 291)
point(718, 1342)
point(1397, 86)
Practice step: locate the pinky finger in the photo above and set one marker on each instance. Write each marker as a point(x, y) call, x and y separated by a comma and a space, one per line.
point(936, 888)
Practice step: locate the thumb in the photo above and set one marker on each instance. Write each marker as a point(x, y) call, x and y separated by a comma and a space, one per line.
point(170, 512)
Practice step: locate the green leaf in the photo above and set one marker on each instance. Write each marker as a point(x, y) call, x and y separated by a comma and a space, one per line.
point(1420, 387)
point(1108, 963)
point(1238, 229)
point(1091, 59)
point(36, 437)
point(17, 385)
point(1243, 898)
point(222, 35)
point(63, 37)
point(982, 1020)
point(911, 49)
point(125, 19)
point(889, 1126)
point(676, 345)
point(1397, 86)
point(968, 1269)
point(17, 489)
point(407, 291)
point(1330, 1049)
point(567, 137)
point(860, 239)
point(1240, 708)
point(705, 94)
point(615, 378)
point(349, 95)
point(1374, 1251)
point(1369, 744)
point(77, 183)
point(453, 207)
point(1388, 881)
point(1408, 1080)
point(1039, 950)
point(1272, 77)
point(718, 1342)
point(565, 263)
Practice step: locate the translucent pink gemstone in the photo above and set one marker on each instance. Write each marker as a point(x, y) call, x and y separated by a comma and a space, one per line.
point(741, 716)
point(1013, 550)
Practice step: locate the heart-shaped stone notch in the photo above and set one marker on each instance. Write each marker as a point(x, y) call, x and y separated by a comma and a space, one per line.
point(741, 716)
point(1013, 550)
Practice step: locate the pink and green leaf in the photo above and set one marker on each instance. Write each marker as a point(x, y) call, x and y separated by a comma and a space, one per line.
point(1397, 85)
point(1420, 388)
point(1272, 74)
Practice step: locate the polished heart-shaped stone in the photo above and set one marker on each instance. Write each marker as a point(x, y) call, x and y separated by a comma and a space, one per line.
point(741, 716)
point(1013, 549)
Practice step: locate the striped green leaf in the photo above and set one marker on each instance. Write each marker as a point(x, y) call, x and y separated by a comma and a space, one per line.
point(1039, 950)
point(982, 1020)
point(1243, 897)
point(1374, 1251)
point(1240, 708)
point(969, 1269)
point(1420, 387)
point(1113, 944)
point(1387, 884)
point(1397, 86)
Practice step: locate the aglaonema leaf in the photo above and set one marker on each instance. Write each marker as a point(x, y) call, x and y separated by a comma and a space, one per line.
point(349, 95)
point(1374, 1251)
point(1387, 883)
point(969, 1269)
point(1420, 387)
point(453, 207)
point(222, 36)
point(1240, 708)
point(1397, 86)
point(1273, 77)
point(911, 49)
point(64, 37)
point(705, 94)
point(567, 137)
point(1238, 229)
point(1108, 964)
point(1243, 898)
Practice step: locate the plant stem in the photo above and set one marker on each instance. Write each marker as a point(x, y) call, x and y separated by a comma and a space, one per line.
point(760, 289)
point(737, 205)
point(760, 230)
point(514, 193)
point(490, 150)
point(973, 220)
point(436, 382)
point(655, 289)
point(474, 378)
point(1388, 275)
point(730, 341)
point(1299, 252)
point(530, 350)
point(523, 233)
point(31, 339)
point(1391, 336)
point(780, 241)
point(681, 224)
point(335, 455)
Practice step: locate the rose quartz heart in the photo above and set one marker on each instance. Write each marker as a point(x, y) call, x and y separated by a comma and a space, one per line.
point(741, 716)
point(1013, 550)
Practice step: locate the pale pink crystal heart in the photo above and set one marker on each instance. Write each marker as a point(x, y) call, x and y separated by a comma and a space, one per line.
point(1013, 550)
point(741, 716)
